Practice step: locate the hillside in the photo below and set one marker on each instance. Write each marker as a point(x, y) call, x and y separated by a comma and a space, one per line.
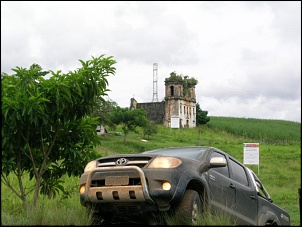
point(220, 131)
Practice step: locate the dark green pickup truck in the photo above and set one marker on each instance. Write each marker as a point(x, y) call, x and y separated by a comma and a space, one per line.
point(183, 181)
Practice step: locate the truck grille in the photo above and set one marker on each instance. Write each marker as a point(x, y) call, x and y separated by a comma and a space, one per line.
point(100, 183)
point(132, 176)
point(129, 161)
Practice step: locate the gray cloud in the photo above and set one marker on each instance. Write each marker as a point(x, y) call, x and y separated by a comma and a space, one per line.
point(245, 55)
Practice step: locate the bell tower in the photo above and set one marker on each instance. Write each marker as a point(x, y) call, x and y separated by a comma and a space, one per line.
point(180, 101)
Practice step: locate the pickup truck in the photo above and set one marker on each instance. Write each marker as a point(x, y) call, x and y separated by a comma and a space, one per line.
point(179, 181)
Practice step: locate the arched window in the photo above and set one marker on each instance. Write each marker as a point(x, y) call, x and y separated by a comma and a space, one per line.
point(172, 90)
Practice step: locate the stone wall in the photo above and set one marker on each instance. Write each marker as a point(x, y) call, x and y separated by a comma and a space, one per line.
point(155, 111)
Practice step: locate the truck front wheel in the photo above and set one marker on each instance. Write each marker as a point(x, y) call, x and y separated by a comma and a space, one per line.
point(189, 210)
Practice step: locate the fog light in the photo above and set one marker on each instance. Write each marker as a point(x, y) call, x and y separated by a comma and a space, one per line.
point(166, 186)
point(82, 189)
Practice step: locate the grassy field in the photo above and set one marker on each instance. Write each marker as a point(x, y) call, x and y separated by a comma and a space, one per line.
point(279, 165)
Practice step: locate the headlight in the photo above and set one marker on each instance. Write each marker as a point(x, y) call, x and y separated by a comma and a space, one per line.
point(82, 189)
point(165, 162)
point(90, 166)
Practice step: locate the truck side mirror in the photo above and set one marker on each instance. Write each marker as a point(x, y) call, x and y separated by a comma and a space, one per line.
point(217, 162)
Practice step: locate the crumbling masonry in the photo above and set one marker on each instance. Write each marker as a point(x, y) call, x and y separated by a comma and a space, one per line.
point(179, 103)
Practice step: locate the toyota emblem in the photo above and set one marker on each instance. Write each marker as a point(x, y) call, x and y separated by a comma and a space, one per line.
point(121, 161)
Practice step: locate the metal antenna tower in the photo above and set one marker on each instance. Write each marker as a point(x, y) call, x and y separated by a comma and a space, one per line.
point(155, 97)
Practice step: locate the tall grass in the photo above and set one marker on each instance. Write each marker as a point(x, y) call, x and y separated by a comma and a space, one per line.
point(62, 210)
point(262, 129)
point(279, 167)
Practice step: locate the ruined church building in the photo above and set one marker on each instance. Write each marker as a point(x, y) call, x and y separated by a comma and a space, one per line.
point(179, 103)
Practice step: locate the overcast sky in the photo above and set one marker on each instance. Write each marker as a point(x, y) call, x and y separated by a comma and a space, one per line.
point(246, 55)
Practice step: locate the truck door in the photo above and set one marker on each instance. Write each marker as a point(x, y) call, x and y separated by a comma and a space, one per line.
point(246, 197)
point(221, 192)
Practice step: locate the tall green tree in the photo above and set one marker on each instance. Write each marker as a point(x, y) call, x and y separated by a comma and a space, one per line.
point(103, 111)
point(150, 129)
point(46, 128)
point(201, 116)
point(129, 119)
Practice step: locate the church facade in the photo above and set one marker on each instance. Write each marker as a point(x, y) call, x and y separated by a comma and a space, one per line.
point(178, 110)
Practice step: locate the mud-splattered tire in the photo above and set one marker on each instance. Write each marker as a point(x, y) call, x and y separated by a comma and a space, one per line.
point(189, 210)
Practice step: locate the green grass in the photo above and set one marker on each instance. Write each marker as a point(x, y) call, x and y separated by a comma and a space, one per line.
point(279, 166)
point(63, 210)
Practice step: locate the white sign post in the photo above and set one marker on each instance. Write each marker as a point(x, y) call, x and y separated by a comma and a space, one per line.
point(251, 154)
point(174, 121)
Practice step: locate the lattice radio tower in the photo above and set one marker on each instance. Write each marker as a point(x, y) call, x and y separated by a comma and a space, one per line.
point(155, 97)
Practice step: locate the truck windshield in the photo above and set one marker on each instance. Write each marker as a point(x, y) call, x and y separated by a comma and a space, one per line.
point(187, 152)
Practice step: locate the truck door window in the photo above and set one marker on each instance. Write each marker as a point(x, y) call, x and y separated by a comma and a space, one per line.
point(239, 173)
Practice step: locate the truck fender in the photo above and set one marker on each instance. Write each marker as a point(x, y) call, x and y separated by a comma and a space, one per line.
point(268, 217)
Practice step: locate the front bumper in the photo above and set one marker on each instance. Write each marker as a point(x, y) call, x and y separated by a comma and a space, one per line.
point(148, 188)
